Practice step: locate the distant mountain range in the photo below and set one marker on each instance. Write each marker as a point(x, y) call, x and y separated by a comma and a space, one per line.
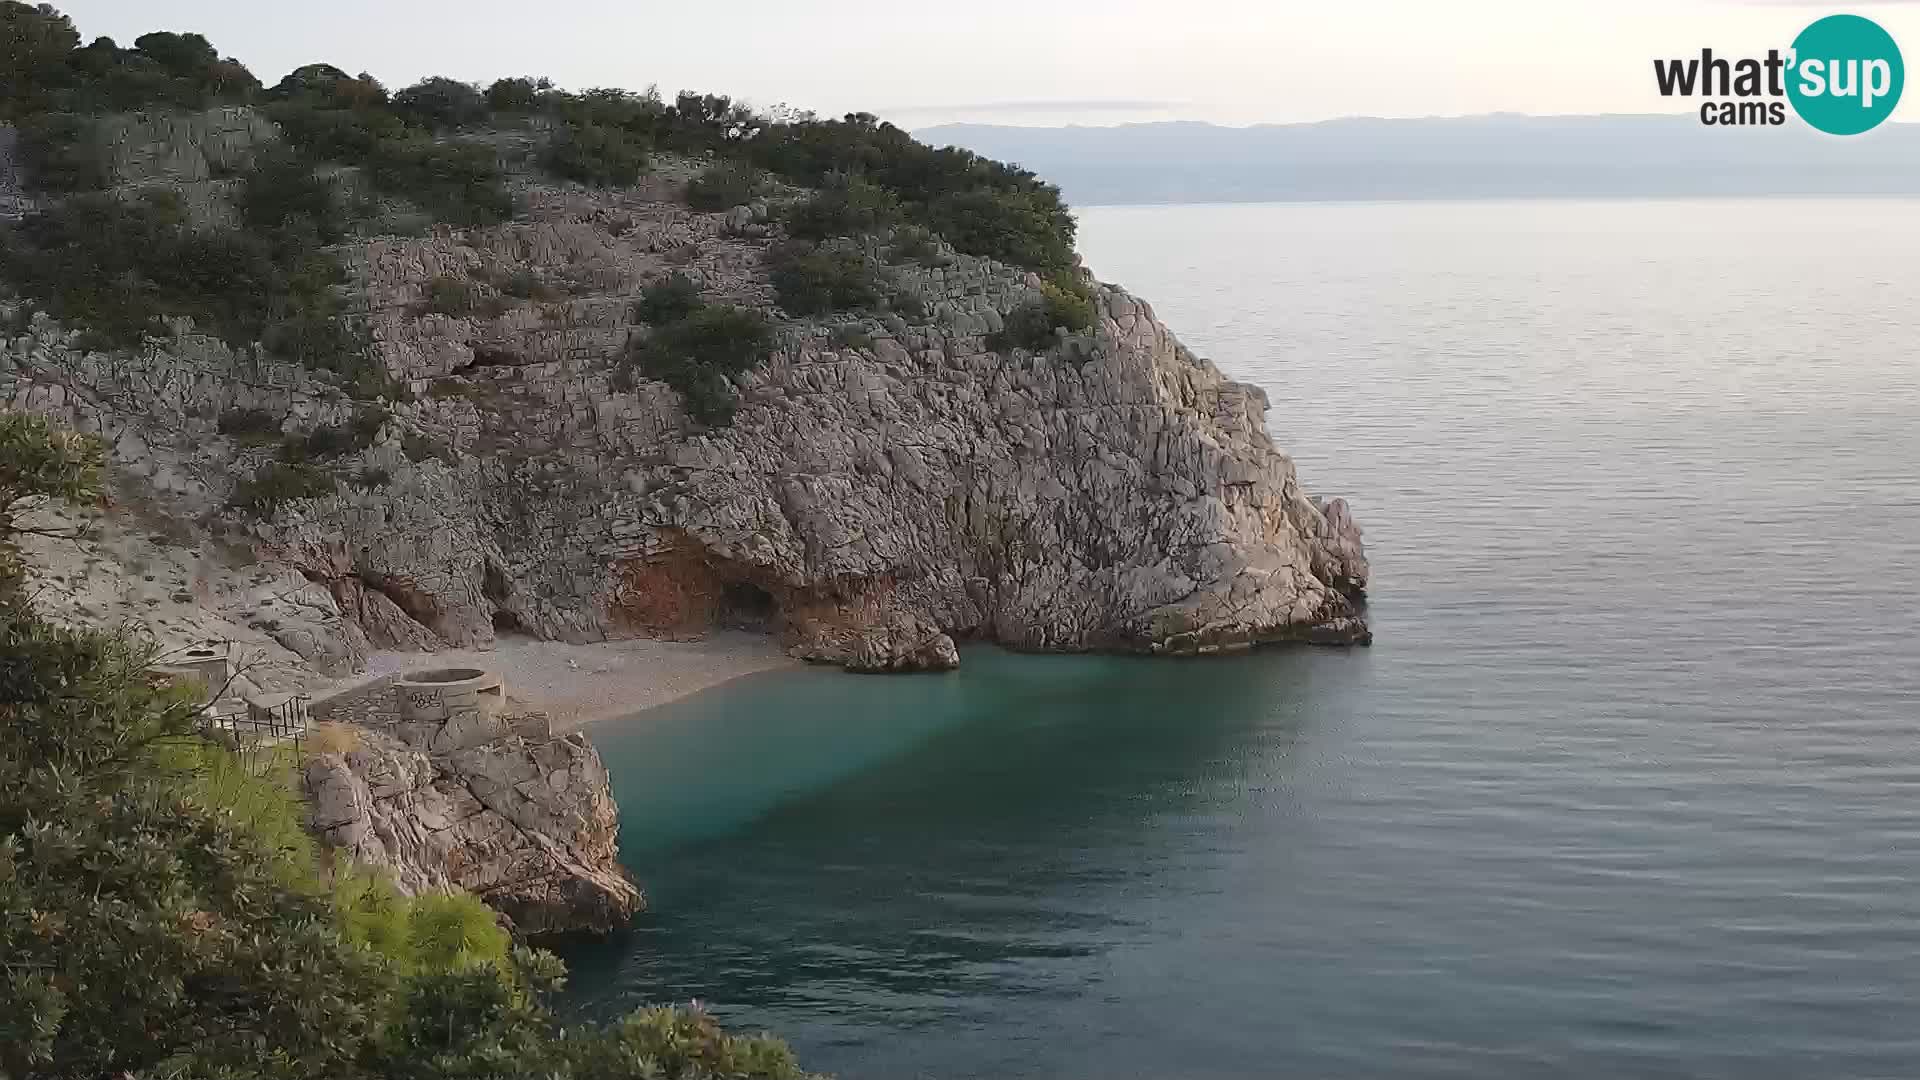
point(1501, 155)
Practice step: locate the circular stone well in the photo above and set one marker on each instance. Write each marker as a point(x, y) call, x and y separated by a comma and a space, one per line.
point(439, 694)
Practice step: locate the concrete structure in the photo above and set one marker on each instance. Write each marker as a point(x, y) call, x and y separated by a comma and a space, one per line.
point(450, 708)
point(206, 668)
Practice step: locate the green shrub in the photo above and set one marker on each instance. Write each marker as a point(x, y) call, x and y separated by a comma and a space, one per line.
point(459, 182)
point(1069, 303)
point(336, 134)
point(525, 284)
point(448, 295)
point(324, 85)
point(62, 154)
point(419, 448)
point(516, 95)
point(852, 336)
point(811, 281)
point(117, 267)
point(1025, 327)
point(914, 244)
point(1064, 304)
point(723, 187)
point(321, 340)
point(440, 104)
point(981, 206)
point(1021, 227)
point(336, 440)
point(284, 196)
point(668, 300)
point(596, 156)
point(907, 302)
point(852, 208)
point(642, 115)
point(699, 355)
point(250, 425)
point(280, 481)
point(372, 477)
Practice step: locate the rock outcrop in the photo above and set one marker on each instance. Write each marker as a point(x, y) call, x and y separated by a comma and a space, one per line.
point(526, 822)
point(886, 487)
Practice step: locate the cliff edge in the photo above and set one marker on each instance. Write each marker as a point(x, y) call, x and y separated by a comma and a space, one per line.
point(887, 484)
point(520, 818)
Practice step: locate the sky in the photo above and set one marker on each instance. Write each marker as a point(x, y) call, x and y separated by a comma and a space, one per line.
point(1034, 62)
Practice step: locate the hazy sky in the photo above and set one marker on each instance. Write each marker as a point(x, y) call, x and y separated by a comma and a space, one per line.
point(1027, 61)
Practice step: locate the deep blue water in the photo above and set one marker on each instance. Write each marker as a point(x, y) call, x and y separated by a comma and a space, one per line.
point(1629, 785)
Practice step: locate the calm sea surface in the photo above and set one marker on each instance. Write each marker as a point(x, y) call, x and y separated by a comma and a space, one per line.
point(1630, 785)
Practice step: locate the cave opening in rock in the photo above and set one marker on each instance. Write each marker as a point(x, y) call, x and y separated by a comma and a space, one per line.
point(506, 622)
point(746, 606)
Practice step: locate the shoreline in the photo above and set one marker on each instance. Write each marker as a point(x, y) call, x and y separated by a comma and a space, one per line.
point(578, 685)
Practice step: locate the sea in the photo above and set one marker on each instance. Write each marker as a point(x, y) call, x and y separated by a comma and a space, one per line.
point(1628, 785)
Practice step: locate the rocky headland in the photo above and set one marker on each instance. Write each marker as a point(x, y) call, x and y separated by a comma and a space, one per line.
point(890, 479)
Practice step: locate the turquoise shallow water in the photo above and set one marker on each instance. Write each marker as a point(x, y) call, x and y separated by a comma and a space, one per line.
point(1630, 784)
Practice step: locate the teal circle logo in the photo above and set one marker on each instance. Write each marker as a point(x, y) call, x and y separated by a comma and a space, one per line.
point(1846, 75)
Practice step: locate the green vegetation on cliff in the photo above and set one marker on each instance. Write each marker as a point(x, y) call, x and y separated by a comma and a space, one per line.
point(164, 914)
point(699, 353)
point(355, 160)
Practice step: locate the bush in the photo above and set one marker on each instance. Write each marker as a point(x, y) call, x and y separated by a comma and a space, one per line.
point(62, 153)
point(280, 481)
point(597, 156)
point(1025, 327)
point(336, 440)
point(1024, 228)
point(440, 104)
point(815, 280)
point(1069, 303)
point(336, 134)
point(419, 448)
point(524, 284)
point(699, 355)
point(458, 182)
point(448, 295)
point(723, 187)
point(914, 244)
point(669, 300)
point(1064, 304)
point(852, 336)
point(981, 206)
point(44, 69)
point(852, 208)
point(516, 95)
point(249, 425)
point(327, 86)
point(282, 194)
point(908, 303)
point(117, 267)
point(320, 340)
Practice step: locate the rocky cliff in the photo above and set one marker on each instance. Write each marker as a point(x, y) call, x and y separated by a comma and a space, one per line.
point(523, 820)
point(887, 485)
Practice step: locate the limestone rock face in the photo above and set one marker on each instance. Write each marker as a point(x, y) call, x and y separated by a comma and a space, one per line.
point(886, 487)
point(526, 824)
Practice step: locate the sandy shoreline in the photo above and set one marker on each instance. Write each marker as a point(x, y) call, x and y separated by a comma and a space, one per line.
point(580, 684)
